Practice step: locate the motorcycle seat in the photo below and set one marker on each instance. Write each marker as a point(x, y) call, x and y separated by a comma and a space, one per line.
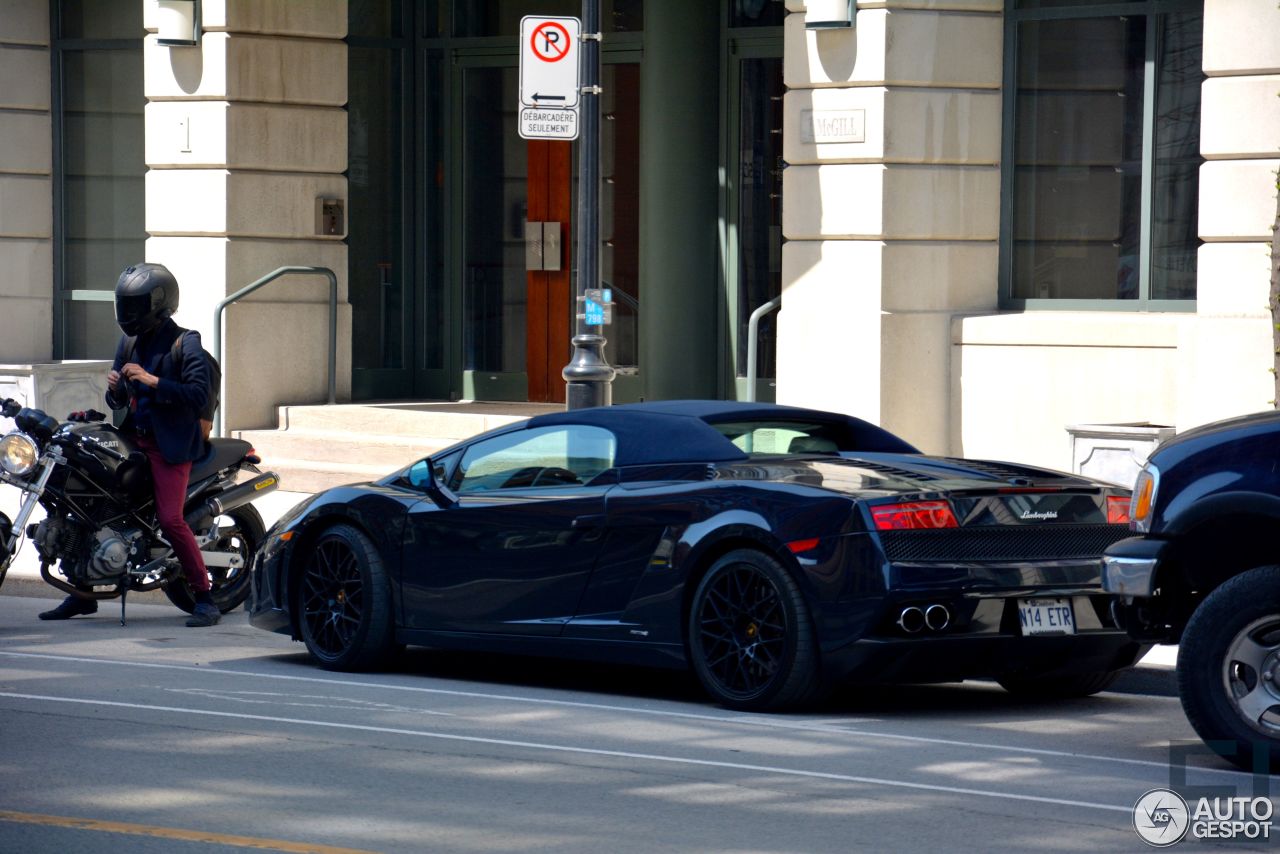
point(221, 453)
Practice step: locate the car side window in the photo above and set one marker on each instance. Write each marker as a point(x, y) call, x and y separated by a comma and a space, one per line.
point(767, 438)
point(542, 457)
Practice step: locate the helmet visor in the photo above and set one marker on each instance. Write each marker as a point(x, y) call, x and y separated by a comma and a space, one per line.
point(132, 312)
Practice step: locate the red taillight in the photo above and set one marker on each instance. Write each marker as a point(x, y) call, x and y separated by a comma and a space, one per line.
point(800, 546)
point(914, 515)
point(1117, 510)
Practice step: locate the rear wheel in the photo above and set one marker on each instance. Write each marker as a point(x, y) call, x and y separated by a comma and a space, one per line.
point(240, 532)
point(1229, 669)
point(1059, 687)
point(749, 634)
point(343, 602)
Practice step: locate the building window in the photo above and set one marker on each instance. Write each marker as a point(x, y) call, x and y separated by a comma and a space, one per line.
point(1101, 170)
point(98, 167)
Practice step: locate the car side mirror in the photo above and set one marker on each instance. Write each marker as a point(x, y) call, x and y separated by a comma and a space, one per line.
point(422, 475)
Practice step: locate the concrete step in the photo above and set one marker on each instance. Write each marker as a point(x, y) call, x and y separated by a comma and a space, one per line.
point(436, 420)
point(359, 446)
point(309, 476)
point(317, 447)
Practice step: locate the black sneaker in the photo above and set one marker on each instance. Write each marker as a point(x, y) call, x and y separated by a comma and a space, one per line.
point(72, 606)
point(203, 616)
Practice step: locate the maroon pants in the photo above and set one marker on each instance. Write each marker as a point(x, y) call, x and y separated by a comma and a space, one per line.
point(171, 493)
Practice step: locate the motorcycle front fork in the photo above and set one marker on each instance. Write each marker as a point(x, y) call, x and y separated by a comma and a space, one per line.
point(33, 492)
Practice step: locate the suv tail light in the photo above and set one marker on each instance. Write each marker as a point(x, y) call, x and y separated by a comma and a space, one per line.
point(1144, 498)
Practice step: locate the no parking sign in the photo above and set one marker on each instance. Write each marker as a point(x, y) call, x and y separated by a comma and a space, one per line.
point(549, 77)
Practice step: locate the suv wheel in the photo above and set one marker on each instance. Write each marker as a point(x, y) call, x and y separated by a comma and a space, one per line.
point(1229, 669)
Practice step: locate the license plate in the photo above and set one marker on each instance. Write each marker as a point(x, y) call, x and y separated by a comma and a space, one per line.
point(1046, 617)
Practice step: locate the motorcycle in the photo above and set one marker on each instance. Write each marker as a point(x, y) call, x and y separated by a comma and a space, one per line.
point(100, 525)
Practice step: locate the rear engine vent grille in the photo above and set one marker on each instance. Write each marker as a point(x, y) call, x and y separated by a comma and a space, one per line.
point(892, 471)
point(1004, 543)
point(1004, 471)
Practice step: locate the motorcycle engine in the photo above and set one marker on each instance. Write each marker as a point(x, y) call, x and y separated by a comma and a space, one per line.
point(88, 557)
point(111, 550)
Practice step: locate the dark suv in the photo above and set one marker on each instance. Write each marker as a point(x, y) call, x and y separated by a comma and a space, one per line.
point(1206, 574)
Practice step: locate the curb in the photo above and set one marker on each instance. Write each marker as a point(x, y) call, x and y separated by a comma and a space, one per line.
point(26, 587)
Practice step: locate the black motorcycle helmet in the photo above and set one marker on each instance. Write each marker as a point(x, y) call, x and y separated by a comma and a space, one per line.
point(146, 296)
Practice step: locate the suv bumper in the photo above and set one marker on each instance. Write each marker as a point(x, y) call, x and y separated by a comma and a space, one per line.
point(1129, 566)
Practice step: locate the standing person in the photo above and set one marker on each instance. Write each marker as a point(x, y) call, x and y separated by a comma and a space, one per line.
point(165, 396)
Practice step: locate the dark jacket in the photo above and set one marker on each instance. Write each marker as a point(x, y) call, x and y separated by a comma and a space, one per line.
point(175, 403)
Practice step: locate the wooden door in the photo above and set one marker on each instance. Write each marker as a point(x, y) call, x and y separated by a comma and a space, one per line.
point(547, 345)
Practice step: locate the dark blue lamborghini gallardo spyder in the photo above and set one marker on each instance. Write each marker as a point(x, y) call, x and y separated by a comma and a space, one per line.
point(776, 551)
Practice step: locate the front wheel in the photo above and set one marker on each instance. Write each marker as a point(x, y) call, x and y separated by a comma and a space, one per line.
point(343, 602)
point(1229, 669)
point(240, 532)
point(749, 634)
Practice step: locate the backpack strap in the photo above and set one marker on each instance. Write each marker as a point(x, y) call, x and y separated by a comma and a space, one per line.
point(176, 349)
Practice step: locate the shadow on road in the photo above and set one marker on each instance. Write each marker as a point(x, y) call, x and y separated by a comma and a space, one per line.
point(492, 672)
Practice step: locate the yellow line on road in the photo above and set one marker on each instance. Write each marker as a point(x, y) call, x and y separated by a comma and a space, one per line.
point(175, 833)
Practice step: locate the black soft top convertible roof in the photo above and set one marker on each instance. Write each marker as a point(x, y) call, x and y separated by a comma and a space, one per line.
point(680, 431)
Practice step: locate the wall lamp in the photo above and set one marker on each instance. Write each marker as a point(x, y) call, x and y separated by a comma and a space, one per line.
point(829, 14)
point(178, 22)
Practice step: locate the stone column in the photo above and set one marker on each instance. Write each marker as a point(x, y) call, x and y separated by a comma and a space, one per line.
point(26, 184)
point(244, 134)
point(678, 265)
point(890, 207)
point(1226, 355)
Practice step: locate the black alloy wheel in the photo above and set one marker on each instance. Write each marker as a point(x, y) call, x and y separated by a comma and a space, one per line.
point(749, 636)
point(343, 602)
point(240, 531)
point(1229, 670)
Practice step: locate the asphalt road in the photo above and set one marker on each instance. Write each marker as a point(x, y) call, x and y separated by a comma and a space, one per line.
point(157, 738)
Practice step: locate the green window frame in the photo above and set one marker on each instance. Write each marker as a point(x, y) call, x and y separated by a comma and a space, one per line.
point(97, 105)
point(1146, 179)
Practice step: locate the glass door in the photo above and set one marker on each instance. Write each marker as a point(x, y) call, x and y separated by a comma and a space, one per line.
point(401, 333)
point(753, 207)
point(493, 162)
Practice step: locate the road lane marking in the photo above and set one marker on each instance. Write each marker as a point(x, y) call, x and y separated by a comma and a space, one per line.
point(587, 751)
point(746, 720)
point(304, 701)
point(175, 833)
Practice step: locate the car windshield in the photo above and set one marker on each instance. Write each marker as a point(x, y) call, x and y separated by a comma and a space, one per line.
point(773, 437)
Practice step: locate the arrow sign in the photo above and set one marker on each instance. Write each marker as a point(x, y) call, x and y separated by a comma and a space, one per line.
point(549, 73)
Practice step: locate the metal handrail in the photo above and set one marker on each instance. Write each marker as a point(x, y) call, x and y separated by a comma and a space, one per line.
point(753, 334)
point(250, 288)
point(626, 297)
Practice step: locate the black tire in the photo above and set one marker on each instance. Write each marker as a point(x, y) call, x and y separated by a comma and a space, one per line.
point(750, 637)
point(1229, 669)
point(1059, 687)
point(229, 586)
point(343, 602)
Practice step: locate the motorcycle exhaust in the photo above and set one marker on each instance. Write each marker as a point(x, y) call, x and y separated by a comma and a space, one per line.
point(228, 500)
point(937, 617)
point(911, 620)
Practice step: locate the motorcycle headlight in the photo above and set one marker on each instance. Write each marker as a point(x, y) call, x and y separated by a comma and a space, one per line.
point(18, 454)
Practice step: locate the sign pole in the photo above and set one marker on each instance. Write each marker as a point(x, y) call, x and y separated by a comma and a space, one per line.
point(588, 375)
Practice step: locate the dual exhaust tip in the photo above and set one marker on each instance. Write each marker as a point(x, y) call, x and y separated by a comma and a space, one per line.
point(915, 619)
